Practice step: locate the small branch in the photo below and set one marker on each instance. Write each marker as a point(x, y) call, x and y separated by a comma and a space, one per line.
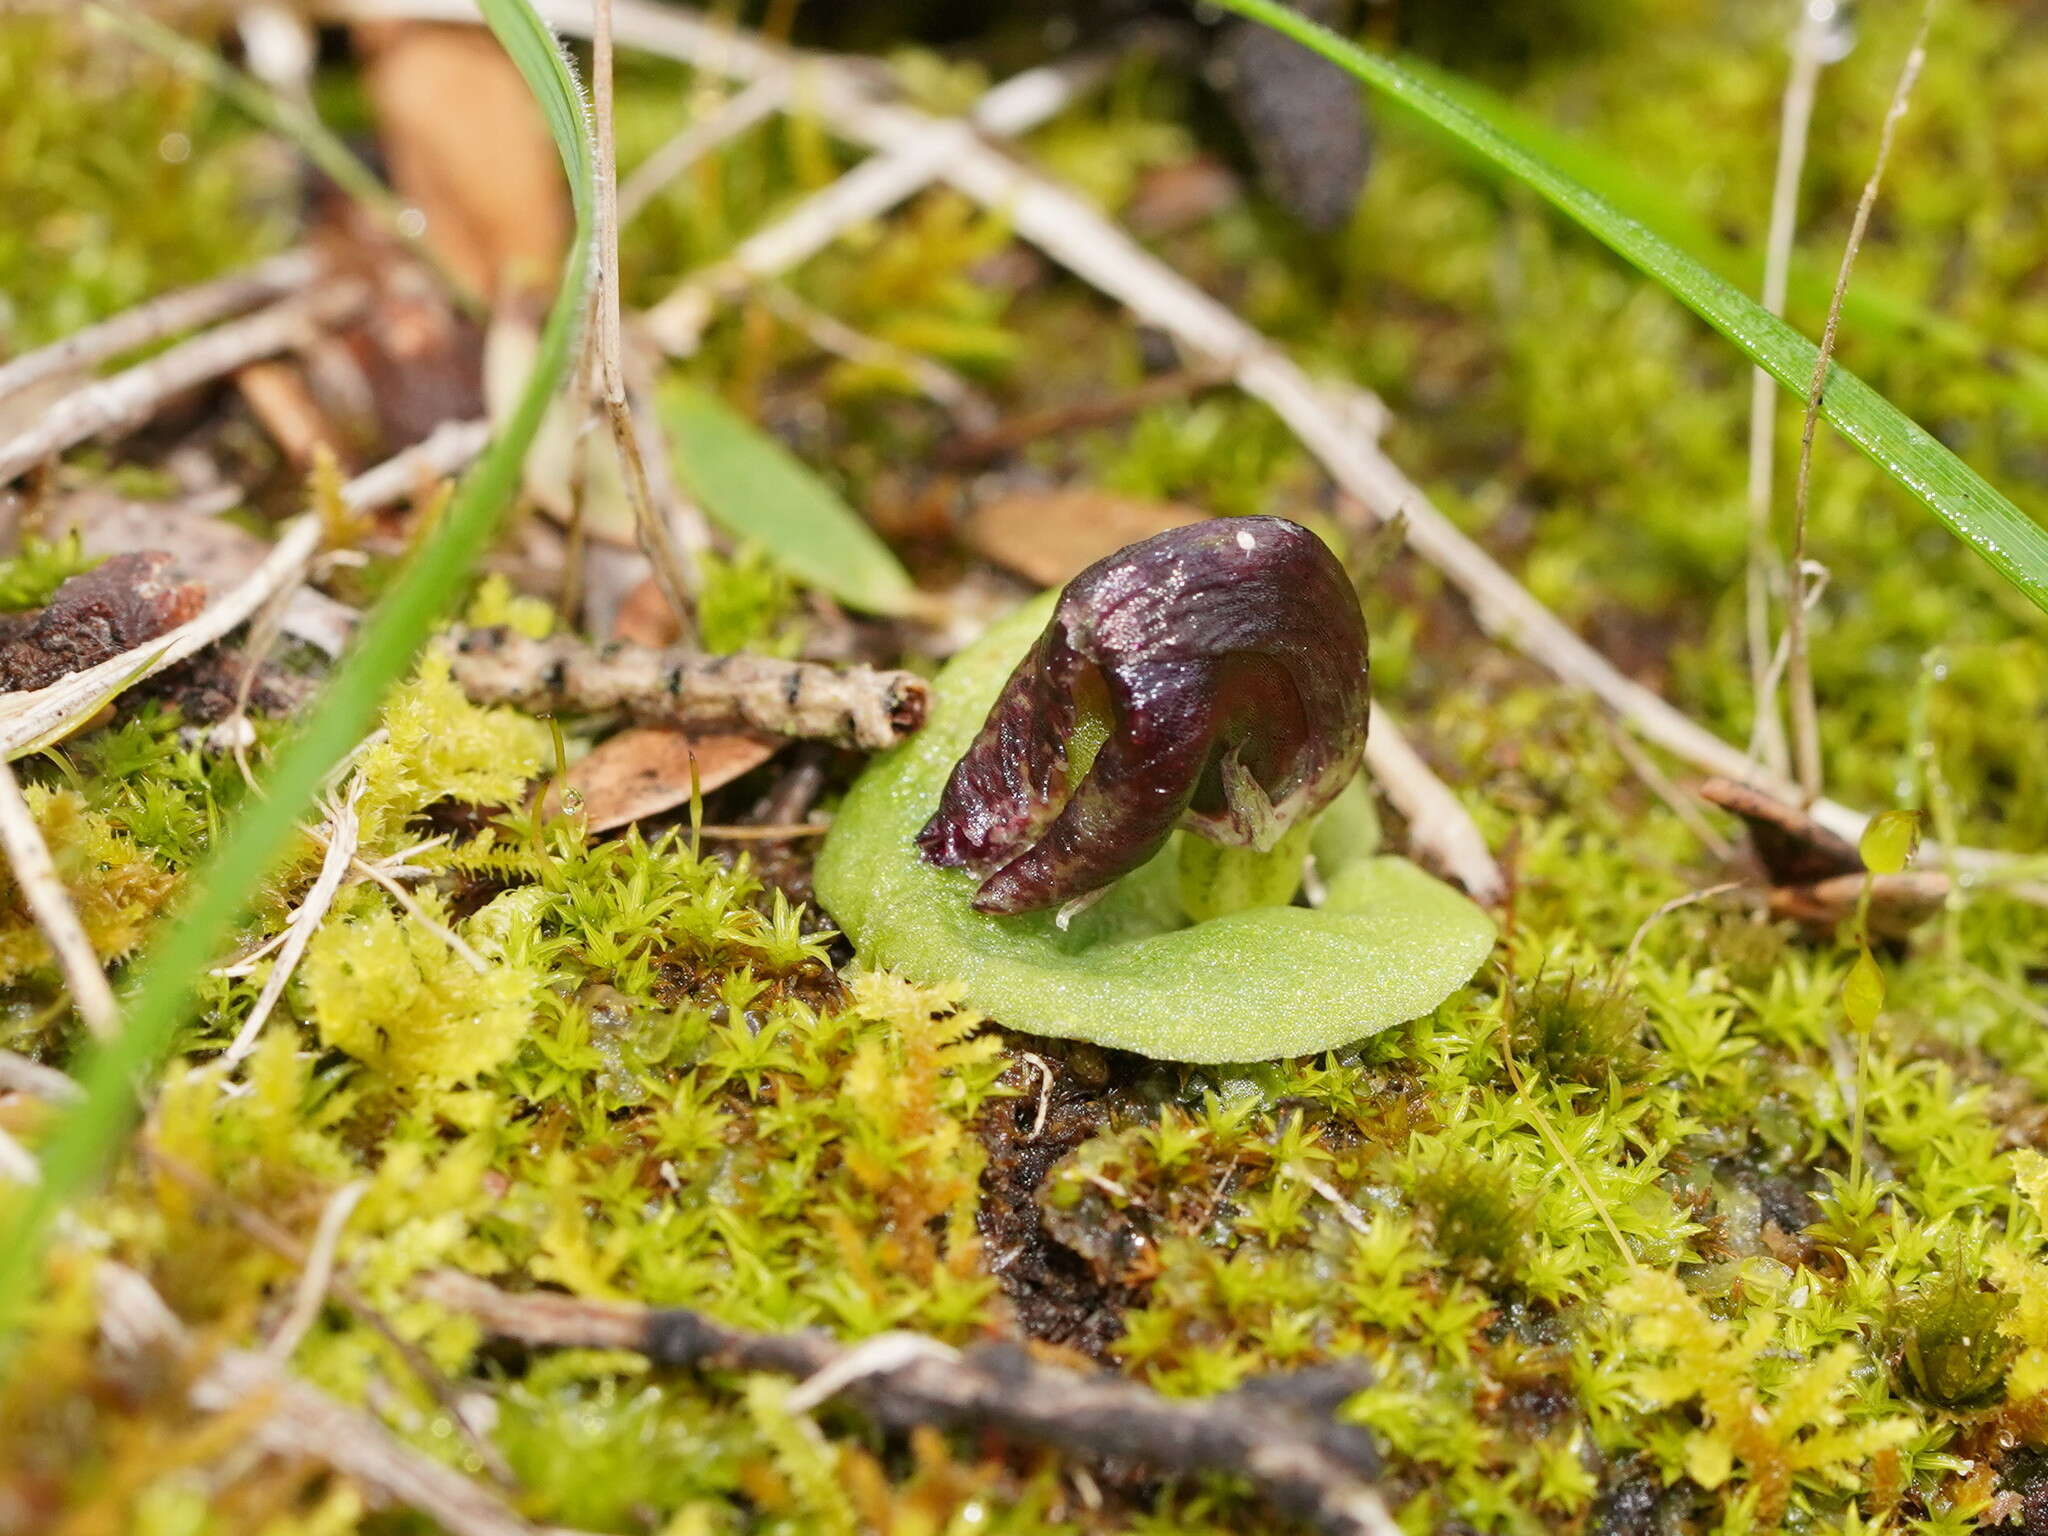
point(129, 398)
point(731, 119)
point(28, 858)
point(1805, 718)
point(1021, 431)
point(1277, 1433)
point(855, 707)
point(657, 540)
point(1809, 55)
point(166, 315)
point(1441, 832)
point(299, 1420)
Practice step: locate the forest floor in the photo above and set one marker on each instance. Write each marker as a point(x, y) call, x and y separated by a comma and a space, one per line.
point(1647, 1228)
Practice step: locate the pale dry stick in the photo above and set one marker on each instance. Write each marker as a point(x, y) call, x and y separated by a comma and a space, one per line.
point(731, 118)
point(342, 828)
point(17, 1163)
point(1334, 422)
point(1682, 805)
point(445, 451)
point(419, 914)
point(311, 1293)
point(127, 399)
point(864, 193)
point(657, 539)
point(165, 315)
point(1809, 53)
point(19, 1074)
point(1441, 831)
point(300, 1420)
point(1799, 679)
point(28, 860)
point(973, 410)
point(1278, 1434)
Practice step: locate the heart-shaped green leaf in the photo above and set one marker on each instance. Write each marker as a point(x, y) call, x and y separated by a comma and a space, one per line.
point(1388, 944)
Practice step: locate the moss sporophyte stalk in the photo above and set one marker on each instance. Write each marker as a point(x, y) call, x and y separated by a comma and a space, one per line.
point(1101, 830)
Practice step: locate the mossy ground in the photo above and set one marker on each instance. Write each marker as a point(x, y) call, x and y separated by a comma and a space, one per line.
point(660, 1089)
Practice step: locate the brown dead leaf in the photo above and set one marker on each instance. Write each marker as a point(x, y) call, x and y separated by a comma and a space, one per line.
point(1793, 848)
point(645, 617)
point(1898, 903)
point(645, 770)
point(1049, 537)
point(467, 146)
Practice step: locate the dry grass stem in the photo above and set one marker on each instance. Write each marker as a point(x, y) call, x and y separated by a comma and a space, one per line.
point(18, 1165)
point(342, 827)
point(166, 315)
point(19, 1074)
point(934, 380)
point(1799, 671)
point(657, 540)
point(318, 1273)
point(1765, 575)
point(28, 859)
point(125, 400)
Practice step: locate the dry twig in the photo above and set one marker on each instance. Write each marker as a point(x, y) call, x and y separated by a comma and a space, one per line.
point(854, 706)
point(727, 122)
point(300, 1420)
point(1805, 719)
point(1277, 1433)
point(1441, 832)
point(28, 859)
point(165, 315)
point(19, 1074)
point(128, 398)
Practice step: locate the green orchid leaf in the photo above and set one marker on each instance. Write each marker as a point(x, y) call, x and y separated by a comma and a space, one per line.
point(753, 488)
point(1388, 944)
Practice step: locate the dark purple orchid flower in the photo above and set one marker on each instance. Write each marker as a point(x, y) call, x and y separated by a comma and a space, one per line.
point(1227, 660)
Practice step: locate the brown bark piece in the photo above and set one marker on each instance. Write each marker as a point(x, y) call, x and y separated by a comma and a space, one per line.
point(645, 770)
point(116, 606)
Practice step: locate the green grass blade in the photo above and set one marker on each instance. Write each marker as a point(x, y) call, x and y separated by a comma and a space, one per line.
point(2007, 538)
point(754, 488)
point(219, 891)
point(2020, 376)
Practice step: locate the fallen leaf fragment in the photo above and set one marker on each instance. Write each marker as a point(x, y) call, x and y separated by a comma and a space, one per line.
point(125, 602)
point(1793, 848)
point(1049, 537)
point(468, 148)
point(645, 770)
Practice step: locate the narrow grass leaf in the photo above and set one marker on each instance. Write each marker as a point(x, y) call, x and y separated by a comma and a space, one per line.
point(2006, 537)
point(220, 891)
point(753, 488)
